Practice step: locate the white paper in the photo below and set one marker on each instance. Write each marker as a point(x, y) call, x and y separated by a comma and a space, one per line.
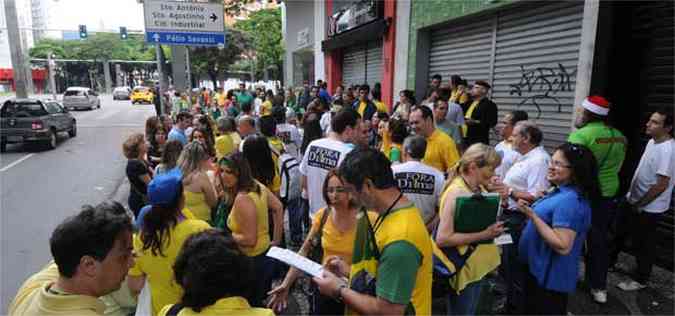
point(297, 261)
point(503, 239)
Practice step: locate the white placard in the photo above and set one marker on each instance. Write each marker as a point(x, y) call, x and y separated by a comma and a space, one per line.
point(192, 17)
point(297, 261)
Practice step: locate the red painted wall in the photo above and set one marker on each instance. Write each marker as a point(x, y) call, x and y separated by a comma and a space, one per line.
point(389, 52)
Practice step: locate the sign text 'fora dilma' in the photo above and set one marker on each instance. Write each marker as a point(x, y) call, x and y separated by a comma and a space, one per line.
point(184, 23)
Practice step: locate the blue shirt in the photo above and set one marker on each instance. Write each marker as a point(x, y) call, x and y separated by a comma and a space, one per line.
point(325, 96)
point(563, 208)
point(177, 134)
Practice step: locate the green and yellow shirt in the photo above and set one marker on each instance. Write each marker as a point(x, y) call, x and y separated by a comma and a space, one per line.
point(397, 264)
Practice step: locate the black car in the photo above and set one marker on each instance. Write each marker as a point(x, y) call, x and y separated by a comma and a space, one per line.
point(34, 121)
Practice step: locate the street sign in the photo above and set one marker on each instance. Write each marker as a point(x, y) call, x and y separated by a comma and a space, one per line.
point(184, 23)
point(176, 38)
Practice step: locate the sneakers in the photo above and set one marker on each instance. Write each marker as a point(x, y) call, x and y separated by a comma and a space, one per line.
point(599, 296)
point(631, 285)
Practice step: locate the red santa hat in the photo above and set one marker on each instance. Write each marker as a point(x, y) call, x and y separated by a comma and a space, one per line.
point(596, 104)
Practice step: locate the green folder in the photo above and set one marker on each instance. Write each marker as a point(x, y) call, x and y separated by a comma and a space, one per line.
point(476, 213)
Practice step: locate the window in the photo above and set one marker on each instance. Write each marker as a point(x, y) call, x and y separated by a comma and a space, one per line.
point(53, 108)
point(23, 109)
point(74, 93)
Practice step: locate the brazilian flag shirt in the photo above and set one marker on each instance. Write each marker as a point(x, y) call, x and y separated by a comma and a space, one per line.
point(392, 260)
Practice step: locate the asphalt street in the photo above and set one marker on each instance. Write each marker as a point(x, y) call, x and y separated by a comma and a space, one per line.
point(39, 188)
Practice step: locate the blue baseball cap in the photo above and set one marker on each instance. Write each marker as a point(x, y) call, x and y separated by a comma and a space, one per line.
point(164, 188)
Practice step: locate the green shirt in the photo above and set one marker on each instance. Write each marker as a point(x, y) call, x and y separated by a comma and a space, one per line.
point(244, 98)
point(609, 148)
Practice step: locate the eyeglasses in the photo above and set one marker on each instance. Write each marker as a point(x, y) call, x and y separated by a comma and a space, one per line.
point(559, 165)
point(337, 189)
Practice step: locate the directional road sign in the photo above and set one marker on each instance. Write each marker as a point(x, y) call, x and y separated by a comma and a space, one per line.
point(184, 23)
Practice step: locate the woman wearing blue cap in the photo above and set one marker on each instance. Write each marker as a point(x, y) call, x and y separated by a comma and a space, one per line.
point(164, 229)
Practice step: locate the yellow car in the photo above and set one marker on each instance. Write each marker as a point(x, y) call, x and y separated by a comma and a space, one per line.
point(141, 94)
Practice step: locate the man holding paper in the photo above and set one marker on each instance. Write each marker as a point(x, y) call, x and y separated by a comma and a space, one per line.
point(392, 263)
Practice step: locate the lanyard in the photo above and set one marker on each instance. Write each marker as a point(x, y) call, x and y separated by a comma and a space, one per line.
point(380, 219)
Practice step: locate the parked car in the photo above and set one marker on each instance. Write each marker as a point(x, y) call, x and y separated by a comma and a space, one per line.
point(81, 98)
point(34, 121)
point(122, 93)
point(141, 94)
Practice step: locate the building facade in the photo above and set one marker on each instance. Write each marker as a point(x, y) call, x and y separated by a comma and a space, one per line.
point(545, 57)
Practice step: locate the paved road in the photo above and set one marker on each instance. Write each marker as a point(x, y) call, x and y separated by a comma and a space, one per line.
point(39, 188)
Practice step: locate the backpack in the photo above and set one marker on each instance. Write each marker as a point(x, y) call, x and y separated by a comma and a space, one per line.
point(289, 172)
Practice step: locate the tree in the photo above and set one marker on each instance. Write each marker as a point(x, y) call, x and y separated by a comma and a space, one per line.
point(212, 61)
point(263, 27)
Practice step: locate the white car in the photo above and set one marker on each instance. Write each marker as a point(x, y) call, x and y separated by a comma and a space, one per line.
point(122, 93)
point(81, 98)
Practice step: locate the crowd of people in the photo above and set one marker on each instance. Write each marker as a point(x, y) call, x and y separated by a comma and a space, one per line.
point(370, 192)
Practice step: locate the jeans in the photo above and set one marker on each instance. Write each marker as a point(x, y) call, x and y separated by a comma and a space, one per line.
point(296, 219)
point(597, 251)
point(466, 301)
point(512, 269)
point(264, 269)
point(542, 301)
point(645, 240)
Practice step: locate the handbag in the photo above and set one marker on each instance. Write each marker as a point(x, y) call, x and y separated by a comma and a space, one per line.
point(144, 305)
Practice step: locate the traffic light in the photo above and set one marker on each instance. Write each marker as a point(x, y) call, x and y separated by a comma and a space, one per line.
point(83, 31)
point(123, 32)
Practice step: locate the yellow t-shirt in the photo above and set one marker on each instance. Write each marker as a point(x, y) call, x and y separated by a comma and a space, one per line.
point(196, 204)
point(230, 306)
point(224, 146)
point(236, 139)
point(158, 269)
point(485, 257)
point(333, 241)
point(34, 299)
point(262, 216)
point(456, 97)
point(266, 108)
point(441, 151)
point(362, 108)
point(381, 107)
point(118, 303)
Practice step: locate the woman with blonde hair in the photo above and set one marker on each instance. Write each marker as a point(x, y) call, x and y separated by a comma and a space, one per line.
point(472, 174)
point(200, 194)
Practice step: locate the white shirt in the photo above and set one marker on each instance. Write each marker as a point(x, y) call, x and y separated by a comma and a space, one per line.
point(509, 156)
point(658, 159)
point(289, 134)
point(455, 113)
point(528, 173)
point(421, 184)
point(321, 156)
point(258, 104)
point(325, 122)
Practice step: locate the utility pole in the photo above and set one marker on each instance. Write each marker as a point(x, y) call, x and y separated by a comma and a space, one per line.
point(22, 75)
point(160, 72)
point(107, 77)
point(50, 70)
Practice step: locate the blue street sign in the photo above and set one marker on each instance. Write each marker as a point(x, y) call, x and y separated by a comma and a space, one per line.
point(176, 38)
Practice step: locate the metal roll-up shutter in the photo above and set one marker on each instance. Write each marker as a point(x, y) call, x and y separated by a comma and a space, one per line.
point(463, 49)
point(354, 66)
point(535, 66)
point(374, 63)
point(654, 22)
